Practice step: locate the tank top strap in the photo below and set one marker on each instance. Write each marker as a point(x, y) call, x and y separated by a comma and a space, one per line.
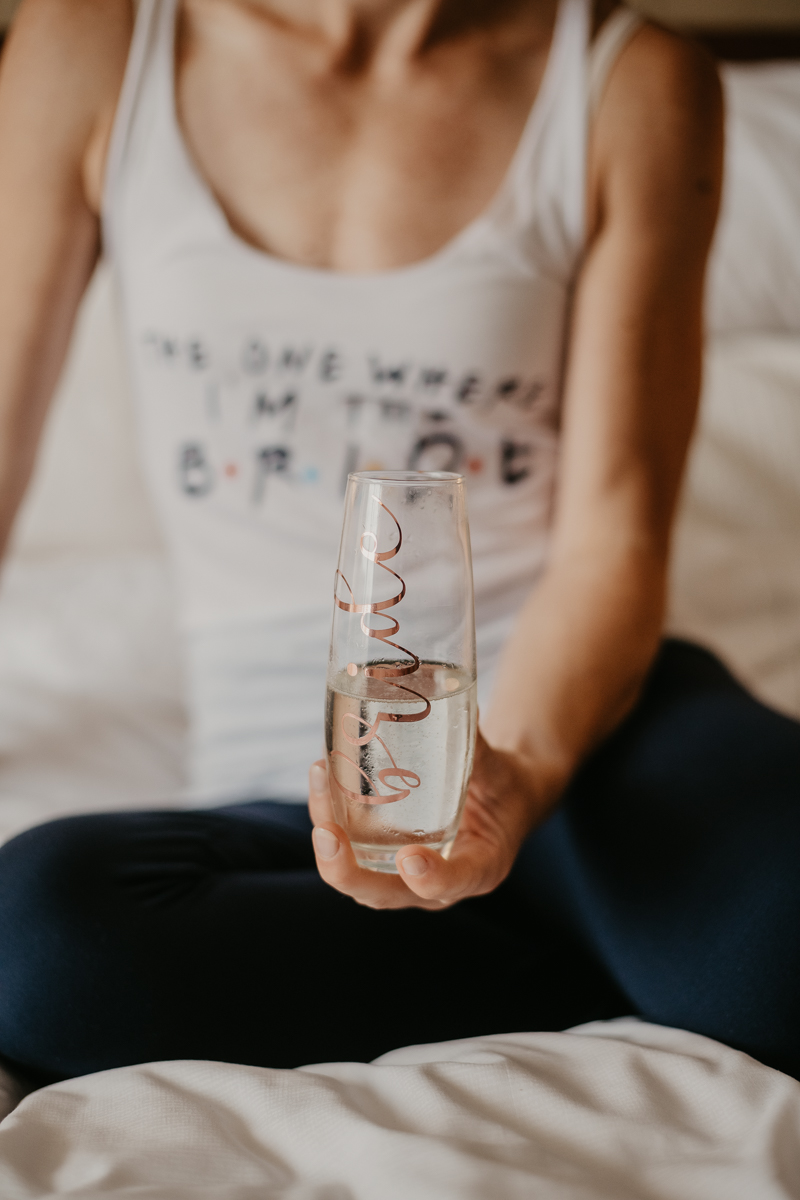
point(612, 39)
point(151, 17)
point(544, 207)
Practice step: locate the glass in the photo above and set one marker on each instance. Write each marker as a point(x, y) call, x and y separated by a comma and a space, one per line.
point(401, 707)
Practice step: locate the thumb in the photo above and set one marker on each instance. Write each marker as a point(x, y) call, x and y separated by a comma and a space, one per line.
point(320, 806)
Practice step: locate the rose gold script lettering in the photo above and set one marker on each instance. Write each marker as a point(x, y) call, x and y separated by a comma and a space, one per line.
point(368, 545)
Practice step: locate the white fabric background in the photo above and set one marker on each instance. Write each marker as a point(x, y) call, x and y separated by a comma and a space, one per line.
point(736, 560)
point(754, 279)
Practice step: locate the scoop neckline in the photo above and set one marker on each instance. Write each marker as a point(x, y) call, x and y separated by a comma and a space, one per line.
point(531, 131)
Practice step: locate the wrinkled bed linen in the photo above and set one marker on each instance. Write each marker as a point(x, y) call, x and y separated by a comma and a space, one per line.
point(611, 1111)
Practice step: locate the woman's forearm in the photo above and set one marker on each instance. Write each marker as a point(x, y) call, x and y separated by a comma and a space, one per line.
point(574, 664)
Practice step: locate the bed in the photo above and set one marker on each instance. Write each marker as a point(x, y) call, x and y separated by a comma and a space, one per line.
point(92, 716)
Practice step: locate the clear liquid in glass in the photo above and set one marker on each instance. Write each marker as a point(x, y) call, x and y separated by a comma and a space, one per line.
point(406, 784)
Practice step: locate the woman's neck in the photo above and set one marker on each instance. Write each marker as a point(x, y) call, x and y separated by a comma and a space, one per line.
point(355, 28)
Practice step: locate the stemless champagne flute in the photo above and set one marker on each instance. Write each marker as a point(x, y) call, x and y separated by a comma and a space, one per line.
point(401, 708)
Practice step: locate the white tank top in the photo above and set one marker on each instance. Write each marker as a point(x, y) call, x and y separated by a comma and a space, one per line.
point(261, 384)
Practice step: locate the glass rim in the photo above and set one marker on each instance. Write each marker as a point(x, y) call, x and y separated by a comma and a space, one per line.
point(412, 478)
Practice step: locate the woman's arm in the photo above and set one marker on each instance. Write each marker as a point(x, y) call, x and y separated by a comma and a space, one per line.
point(60, 77)
point(581, 647)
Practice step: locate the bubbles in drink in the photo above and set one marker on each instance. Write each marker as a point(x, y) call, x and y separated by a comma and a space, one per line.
point(393, 781)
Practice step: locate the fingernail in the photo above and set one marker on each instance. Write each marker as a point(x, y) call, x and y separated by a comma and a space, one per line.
point(326, 844)
point(415, 864)
point(319, 778)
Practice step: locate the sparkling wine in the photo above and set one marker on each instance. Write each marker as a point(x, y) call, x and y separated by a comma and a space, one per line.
point(401, 706)
point(407, 782)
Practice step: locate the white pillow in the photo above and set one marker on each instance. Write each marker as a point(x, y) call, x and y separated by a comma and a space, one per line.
point(754, 275)
point(736, 561)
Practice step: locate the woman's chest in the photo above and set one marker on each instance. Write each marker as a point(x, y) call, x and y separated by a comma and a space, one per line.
point(258, 389)
point(347, 169)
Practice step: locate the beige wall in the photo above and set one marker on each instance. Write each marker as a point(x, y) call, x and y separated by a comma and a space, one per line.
point(708, 13)
point(712, 13)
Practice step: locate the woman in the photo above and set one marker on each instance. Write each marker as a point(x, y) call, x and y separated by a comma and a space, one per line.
point(414, 233)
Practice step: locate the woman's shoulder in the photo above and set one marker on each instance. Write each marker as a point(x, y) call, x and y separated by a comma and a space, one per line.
point(661, 72)
point(658, 133)
point(62, 70)
point(665, 65)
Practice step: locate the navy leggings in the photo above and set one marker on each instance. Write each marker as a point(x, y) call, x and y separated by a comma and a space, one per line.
point(666, 885)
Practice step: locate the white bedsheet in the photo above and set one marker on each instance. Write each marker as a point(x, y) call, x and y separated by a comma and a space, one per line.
point(613, 1111)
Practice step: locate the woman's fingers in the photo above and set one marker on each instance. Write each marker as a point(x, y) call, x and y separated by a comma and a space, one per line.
point(469, 872)
point(319, 793)
point(336, 861)
point(424, 879)
point(337, 865)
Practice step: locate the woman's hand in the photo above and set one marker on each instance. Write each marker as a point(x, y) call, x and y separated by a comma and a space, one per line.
point(507, 797)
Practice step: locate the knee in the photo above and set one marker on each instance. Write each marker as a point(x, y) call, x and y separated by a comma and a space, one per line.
point(56, 925)
point(699, 754)
point(48, 873)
